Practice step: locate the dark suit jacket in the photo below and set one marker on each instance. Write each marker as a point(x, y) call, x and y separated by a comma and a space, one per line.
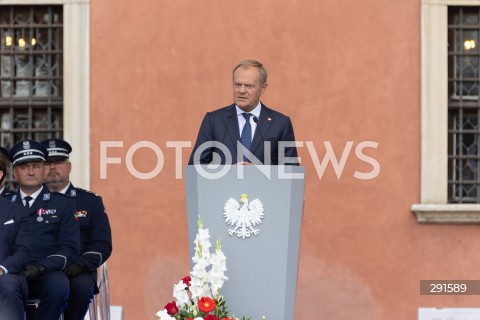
point(15, 236)
point(5, 192)
point(221, 126)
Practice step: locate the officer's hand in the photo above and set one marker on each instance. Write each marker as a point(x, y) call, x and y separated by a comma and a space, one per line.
point(33, 271)
point(76, 268)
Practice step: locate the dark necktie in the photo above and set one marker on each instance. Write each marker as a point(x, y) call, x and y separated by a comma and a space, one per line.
point(27, 201)
point(246, 138)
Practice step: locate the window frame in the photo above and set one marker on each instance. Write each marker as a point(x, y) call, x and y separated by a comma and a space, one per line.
point(434, 206)
point(76, 60)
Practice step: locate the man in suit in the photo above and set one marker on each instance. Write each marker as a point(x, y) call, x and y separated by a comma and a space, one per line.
point(247, 131)
point(15, 239)
point(95, 231)
point(55, 233)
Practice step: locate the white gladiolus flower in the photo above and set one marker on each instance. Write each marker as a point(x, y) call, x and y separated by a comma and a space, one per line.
point(180, 294)
point(207, 277)
point(216, 275)
point(202, 243)
point(163, 315)
point(202, 261)
point(203, 235)
point(201, 291)
point(219, 262)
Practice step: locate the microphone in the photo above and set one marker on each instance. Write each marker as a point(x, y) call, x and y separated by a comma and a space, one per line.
point(229, 117)
point(267, 157)
point(255, 119)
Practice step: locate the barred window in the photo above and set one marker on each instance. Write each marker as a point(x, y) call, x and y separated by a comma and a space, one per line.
point(463, 105)
point(450, 166)
point(31, 74)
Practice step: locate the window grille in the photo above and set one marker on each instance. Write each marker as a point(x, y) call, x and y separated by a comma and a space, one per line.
point(31, 73)
point(463, 105)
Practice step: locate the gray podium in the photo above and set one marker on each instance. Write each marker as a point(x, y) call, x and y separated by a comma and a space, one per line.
point(262, 268)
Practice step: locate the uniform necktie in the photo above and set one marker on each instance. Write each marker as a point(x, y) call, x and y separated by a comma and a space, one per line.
point(27, 201)
point(246, 138)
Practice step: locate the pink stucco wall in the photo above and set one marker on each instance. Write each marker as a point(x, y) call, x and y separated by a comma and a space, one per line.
point(344, 71)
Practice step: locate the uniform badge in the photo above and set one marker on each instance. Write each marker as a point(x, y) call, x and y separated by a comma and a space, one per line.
point(47, 213)
point(81, 214)
point(51, 144)
point(73, 193)
point(26, 145)
point(14, 197)
point(40, 213)
point(46, 197)
point(243, 218)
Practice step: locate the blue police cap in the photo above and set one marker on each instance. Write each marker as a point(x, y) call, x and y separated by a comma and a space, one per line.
point(57, 149)
point(27, 151)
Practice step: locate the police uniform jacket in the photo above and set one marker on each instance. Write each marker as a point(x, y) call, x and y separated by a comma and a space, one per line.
point(55, 233)
point(5, 192)
point(15, 236)
point(95, 232)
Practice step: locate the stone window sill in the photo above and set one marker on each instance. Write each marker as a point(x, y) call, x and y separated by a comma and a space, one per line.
point(447, 213)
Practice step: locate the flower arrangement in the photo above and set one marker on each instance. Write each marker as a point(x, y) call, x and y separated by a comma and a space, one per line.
point(197, 297)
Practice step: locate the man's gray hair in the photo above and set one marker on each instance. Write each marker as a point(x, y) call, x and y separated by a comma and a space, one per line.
point(256, 64)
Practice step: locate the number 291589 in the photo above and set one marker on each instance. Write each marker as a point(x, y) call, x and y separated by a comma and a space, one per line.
point(448, 288)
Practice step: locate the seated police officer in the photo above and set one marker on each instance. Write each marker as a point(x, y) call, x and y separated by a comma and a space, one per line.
point(15, 240)
point(95, 232)
point(55, 233)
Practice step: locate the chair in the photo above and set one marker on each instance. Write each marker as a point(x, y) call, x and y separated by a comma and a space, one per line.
point(99, 308)
point(34, 303)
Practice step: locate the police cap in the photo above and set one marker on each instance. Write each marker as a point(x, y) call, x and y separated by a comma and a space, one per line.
point(27, 151)
point(58, 149)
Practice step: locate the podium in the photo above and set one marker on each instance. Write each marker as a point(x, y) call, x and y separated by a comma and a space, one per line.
point(262, 267)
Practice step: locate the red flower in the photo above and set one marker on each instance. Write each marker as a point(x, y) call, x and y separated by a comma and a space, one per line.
point(206, 304)
point(187, 280)
point(228, 319)
point(211, 317)
point(171, 308)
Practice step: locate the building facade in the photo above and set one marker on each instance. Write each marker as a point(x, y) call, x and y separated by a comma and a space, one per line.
point(383, 96)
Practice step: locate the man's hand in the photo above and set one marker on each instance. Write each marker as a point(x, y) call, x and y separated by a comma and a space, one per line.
point(244, 163)
point(76, 268)
point(33, 271)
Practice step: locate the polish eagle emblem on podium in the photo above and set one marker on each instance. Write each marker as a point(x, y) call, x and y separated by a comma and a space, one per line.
point(243, 216)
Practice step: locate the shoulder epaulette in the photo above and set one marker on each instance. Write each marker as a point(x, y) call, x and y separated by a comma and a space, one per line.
point(88, 191)
point(59, 193)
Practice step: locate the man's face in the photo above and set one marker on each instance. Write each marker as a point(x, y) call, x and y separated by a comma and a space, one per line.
point(30, 174)
point(58, 172)
point(246, 88)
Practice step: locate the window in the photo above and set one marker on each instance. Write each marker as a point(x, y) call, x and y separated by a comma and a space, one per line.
point(31, 73)
point(450, 166)
point(463, 105)
point(44, 79)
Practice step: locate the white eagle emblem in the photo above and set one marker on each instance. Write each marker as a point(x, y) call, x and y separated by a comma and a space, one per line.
point(243, 218)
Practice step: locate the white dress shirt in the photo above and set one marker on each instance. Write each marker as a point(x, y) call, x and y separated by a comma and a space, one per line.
point(242, 121)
